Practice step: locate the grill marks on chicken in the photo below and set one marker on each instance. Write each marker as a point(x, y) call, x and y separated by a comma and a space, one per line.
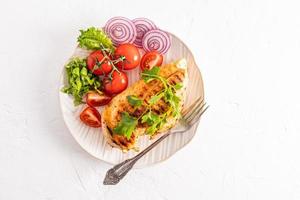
point(148, 91)
point(144, 91)
point(123, 142)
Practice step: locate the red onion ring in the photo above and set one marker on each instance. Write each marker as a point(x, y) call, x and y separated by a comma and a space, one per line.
point(142, 25)
point(156, 40)
point(120, 30)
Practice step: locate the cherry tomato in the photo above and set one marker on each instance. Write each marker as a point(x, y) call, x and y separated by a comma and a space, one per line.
point(150, 60)
point(118, 83)
point(91, 117)
point(95, 99)
point(97, 64)
point(131, 54)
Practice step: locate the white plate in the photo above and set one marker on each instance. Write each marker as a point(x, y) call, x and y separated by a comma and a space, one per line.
point(92, 140)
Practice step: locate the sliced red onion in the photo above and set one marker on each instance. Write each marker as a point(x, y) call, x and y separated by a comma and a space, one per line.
point(120, 30)
point(156, 40)
point(142, 26)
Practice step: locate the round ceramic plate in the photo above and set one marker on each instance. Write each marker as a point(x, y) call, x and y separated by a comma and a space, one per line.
point(92, 140)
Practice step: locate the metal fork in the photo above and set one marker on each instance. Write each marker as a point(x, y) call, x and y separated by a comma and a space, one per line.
point(189, 117)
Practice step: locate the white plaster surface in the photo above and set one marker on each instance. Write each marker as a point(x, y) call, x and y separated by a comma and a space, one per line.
point(247, 145)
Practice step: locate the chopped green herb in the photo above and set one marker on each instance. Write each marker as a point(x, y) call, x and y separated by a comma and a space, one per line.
point(168, 93)
point(154, 121)
point(150, 118)
point(126, 126)
point(178, 86)
point(149, 75)
point(94, 38)
point(80, 80)
point(134, 101)
point(154, 99)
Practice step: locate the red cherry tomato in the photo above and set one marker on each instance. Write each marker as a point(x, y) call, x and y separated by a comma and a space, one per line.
point(95, 99)
point(150, 60)
point(131, 54)
point(91, 117)
point(118, 83)
point(97, 64)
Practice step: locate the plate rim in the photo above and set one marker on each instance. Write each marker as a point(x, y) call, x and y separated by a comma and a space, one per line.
point(108, 162)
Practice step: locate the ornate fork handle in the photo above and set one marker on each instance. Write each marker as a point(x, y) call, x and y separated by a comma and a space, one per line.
point(190, 116)
point(115, 174)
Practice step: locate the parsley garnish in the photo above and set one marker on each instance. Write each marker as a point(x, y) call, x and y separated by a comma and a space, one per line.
point(128, 123)
point(134, 101)
point(126, 126)
point(149, 75)
point(154, 121)
point(178, 86)
point(168, 93)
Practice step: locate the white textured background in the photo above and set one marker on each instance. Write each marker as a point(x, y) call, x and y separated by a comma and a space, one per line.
point(247, 146)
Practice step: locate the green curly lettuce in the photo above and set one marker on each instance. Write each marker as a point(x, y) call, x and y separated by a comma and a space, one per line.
point(80, 80)
point(94, 39)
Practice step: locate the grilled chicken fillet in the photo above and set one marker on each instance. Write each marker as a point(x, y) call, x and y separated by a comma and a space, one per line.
point(174, 73)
